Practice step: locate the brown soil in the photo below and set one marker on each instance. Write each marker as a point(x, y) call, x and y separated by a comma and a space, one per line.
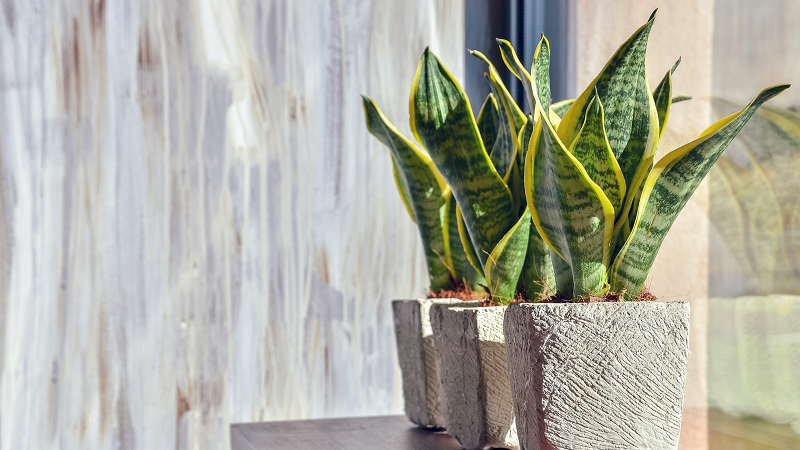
point(460, 291)
point(644, 296)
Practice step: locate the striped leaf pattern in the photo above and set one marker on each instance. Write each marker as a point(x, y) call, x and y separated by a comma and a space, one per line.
point(462, 268)
point(540, 72)
point(662, 96)
point(505, 264)
point(503, 151)
point(401, 188)
point(667, 189)
point(592, 149)
point(571, 213)
point(423, 188)
point(631, 119)
point(466, 244)
point(538, 279)
point(489, 121)
point(442, 121)
point(561, 108)
point(511, 120)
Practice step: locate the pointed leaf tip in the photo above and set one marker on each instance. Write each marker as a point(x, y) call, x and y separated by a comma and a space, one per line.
point(653, 15)
point(675, 66)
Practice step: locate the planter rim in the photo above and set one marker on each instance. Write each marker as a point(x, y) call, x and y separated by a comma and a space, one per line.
point(594, 304)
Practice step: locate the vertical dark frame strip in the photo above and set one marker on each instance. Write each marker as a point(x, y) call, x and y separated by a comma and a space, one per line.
point(522, 23)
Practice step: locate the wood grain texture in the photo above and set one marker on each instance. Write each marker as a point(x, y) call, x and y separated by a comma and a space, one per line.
point(381, 433)
point(197, 228)
point(598, 376)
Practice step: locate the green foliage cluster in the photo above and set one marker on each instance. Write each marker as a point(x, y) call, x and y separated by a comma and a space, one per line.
point(566, 199)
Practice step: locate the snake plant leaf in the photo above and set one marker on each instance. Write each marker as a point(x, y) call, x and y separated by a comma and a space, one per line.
point(466, 244)
point(540, 72)
point(572, 214)
point(489, 121)
point(538, 278)
point(562, 271)
point(681, 98)
point(401, 187)
point(537, 82)
point(425, 191)
point(525, 140)
point(441, 119)
point(511, 121)
point(560, 108)
point(592, 149)
point(504, 98)
point(504, 149)
point(505, 264)
point(631, 118)
point(662, 95)
point(463, 268)
point(667, 189)
point(518, 69)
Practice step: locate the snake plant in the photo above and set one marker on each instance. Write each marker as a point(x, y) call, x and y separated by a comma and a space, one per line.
point(429, 202)
point(571, 205)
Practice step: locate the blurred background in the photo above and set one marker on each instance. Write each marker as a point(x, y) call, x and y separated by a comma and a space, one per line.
point(197, 228)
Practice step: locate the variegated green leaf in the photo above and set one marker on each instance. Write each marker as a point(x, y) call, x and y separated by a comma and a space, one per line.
point(560, 108)
point(511, 120)
point(524, 139)
point(504, 98)
point(504, 149)
point(442, 121)
point(538, 278)
point(571, 213)
point(489, 121)
point(631, 119)
point(668, 187)
point(505, 264)
point(540, 73)
point(662, 95)
point(562, 271)
point(681, 98)
point(537, 82)
point(463, 269)
point(592, 150)
point(466, 244)
point(425, 191)
point(401, 188)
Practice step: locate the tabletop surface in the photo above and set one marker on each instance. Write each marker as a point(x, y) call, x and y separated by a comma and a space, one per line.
point(380, 432)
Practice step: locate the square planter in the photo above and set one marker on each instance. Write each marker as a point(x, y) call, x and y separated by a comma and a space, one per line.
point(412, 328)
point(596, 376)
point(476, 399)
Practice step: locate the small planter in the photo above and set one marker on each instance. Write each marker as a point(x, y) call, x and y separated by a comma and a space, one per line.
point(598, 375)
point(412, 328)
point(476, 399)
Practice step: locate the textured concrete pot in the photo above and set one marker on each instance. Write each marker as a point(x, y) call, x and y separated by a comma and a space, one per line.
point(476, 399)
point(412, 328)
point(597, 376)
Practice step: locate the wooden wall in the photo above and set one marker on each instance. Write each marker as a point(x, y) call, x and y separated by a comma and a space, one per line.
point(195, 227)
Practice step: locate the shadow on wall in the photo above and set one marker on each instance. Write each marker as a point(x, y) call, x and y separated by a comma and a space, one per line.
point(754, 316)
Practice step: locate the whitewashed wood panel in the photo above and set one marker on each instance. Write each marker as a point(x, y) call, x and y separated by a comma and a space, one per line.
point(196, 227)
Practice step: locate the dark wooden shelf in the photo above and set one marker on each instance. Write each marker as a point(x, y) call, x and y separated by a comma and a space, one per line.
point(374, 433)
